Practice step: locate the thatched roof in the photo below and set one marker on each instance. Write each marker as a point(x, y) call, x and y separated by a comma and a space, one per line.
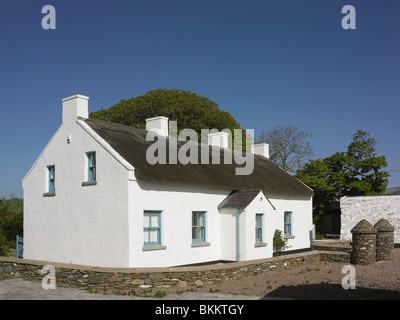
point(131, 144)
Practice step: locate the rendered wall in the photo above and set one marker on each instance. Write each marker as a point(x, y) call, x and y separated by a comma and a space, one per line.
point(81, 224)
point(370, 208)
point(176, 204)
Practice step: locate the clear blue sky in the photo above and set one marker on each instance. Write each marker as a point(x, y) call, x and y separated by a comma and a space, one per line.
point(268, 63)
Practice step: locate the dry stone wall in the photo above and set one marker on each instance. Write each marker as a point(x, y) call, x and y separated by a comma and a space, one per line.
point(82, 276)
point(371, 208)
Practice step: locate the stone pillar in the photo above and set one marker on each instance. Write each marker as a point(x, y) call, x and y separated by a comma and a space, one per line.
point(384, 240)
point(364, 243)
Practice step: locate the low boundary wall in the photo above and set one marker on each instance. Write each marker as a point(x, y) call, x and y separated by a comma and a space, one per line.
point(126, 278)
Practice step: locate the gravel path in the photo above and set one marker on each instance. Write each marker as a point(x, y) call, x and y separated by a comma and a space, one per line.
point(322, 280)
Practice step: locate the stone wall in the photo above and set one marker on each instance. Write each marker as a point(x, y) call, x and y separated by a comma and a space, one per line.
point(371, 208)
point(83, 276)
point(364, 243)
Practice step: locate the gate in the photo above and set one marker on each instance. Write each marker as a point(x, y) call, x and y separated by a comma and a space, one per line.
point(20, 247)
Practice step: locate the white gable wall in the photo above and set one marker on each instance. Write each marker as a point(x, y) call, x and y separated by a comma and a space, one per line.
point(80, 224)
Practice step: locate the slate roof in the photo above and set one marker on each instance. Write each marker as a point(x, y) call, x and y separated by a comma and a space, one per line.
point(131, 144)
point(239, 199)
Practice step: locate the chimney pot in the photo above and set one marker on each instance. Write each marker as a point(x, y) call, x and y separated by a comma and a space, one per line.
point(261, 149)
point(218, 139)
point(159, 125)
point(74, 107)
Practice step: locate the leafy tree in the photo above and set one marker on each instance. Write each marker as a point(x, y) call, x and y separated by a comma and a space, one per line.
point(358, 171)
point(3, 240)
point(188, 109)
point(288, 146)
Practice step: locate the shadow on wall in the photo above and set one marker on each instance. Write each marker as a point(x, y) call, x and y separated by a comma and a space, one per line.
point(326, 291)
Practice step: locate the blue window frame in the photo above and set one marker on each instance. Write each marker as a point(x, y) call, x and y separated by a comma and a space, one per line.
point(288, 223)
point(52, 178)
point(152, 227)
point(198, 226)
point(259, 227)
point(91, 166)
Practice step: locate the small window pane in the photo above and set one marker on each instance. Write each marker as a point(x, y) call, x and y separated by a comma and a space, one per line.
point(153, 235)
point(146, 220)
point(154, 220)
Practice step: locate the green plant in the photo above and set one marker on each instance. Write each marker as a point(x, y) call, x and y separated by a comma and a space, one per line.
point(3, 246)
point(279, 242)
point(160, 294)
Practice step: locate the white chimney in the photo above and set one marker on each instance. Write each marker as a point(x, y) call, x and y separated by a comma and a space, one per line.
point(159, 125)
point(261, 149)
point(73, 107)
point(218, 139)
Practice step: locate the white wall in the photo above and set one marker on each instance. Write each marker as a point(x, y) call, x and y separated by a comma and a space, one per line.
point(228, 234)
point(176, 204)
point(370, 208)
point(80, 224)
point(302, 225)
point(301, 209)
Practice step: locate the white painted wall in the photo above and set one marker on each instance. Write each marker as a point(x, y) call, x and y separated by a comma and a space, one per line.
point(81, 224)
point(176, 204)
point(371, 208)
point(274, 219)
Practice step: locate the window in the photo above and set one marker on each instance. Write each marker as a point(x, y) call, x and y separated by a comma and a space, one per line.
point(259, 228)
point(91, 166)
point(52, 178)
point(152, 227)
point(198, 226)
point(288, 223)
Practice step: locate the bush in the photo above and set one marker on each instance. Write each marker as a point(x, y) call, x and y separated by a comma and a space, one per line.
point(160, 294)
point(279, 242)
point(3, 246)
point(12, 226)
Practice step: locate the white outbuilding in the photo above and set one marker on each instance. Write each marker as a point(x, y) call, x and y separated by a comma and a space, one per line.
point(92, 198)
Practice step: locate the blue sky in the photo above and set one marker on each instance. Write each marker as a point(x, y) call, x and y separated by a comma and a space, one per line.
point(268, 63)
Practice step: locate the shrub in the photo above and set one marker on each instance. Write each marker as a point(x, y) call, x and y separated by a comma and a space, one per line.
point(12, 226)
point(3, 246)
point(160, 294)
point(279, 242)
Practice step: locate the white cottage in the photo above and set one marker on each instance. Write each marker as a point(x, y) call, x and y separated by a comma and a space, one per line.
point(92, 198)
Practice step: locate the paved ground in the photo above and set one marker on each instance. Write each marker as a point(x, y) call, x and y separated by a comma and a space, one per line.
point(18, 289)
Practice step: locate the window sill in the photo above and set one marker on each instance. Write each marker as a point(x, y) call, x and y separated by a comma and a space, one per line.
point(200, 244)
point(289, 237)
point(49, 194)
point(152, 247)
point(260, 244)
point(89, 183)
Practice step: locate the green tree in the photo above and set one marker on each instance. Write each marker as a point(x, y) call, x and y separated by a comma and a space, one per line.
point(358, 171)
point(188, 109)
